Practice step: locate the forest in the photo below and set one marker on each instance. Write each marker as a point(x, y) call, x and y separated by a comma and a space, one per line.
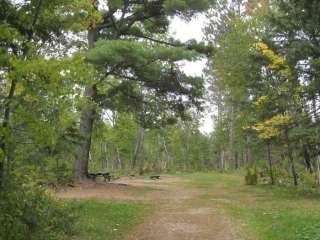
point(101, 125)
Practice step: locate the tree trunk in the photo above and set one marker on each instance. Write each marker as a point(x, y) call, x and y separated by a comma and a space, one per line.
point(270, 163)
point(317, 173)
point(236, 161)
point(139, 151)
point(293, 167)
point(249, 159)
point(222, 164)
point(136, 152)
point(119, 161)
point(1, 172)
point(307, 158)
point(106, 165)
point(242, 162)
point(166, 151)
point(318, 170)
point(314, 105)
point(231, 138)
point(88, 115)
point(4, 146)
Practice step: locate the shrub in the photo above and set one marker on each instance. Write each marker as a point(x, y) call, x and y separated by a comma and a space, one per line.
point(283, 176)
point(251, 177)
point(306, 178)
point(28, 211)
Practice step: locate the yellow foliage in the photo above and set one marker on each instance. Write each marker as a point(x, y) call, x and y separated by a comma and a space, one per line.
point(285, 73)
point(262, 100)
point(19, 88)
point(272, 127)
point(277, 61)
point(30, 98)
point(268, 53)
point(261, 46)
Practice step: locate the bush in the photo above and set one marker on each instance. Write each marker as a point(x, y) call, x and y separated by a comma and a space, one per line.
point(28, 211)
point(251, 177)
point(283, 176)
point(306, 178)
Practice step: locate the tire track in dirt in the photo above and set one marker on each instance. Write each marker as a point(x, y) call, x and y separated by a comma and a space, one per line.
point(178, 214)
point(179, 217)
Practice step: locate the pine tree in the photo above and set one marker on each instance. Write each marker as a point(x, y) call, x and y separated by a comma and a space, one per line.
point(130, 46)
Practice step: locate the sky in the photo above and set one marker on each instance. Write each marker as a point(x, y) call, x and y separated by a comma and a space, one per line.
point(185, 31)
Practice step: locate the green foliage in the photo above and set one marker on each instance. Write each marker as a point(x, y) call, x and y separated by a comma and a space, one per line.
point(135, 54)
point(113, 142)
point(175, 147)
point(139, 62)
point(28, 211)
point(232, 74)
point(187, 7)
point(260, 85)
point(251, 176)
point(40, 89)
point(139, 68)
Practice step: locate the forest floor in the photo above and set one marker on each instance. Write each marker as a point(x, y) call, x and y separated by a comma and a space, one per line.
point(195, 206)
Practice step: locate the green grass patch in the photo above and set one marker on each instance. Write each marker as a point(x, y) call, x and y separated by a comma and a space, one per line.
point(268, 212)
point(101, 220)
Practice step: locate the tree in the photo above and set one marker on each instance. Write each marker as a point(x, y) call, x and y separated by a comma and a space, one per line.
point(130, 45)
point(232, 74)
point(28, 30)
point(39, 93)
point(299, 42)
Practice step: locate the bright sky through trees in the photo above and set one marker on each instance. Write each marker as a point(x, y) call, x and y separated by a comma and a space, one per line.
point(185, 31)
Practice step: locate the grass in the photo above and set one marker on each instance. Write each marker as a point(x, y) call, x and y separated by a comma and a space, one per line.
point(266, 212)
point(101, 220)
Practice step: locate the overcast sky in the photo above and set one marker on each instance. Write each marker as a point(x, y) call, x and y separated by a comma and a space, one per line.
point(186, 31)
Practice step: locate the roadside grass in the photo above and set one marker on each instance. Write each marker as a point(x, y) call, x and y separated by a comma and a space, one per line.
point(264, 212)
point(106, 220)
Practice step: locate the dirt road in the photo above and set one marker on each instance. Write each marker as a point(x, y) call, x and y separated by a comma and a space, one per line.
point(178, 215)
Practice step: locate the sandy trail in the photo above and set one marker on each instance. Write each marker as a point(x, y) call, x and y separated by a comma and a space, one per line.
point(178, 215)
